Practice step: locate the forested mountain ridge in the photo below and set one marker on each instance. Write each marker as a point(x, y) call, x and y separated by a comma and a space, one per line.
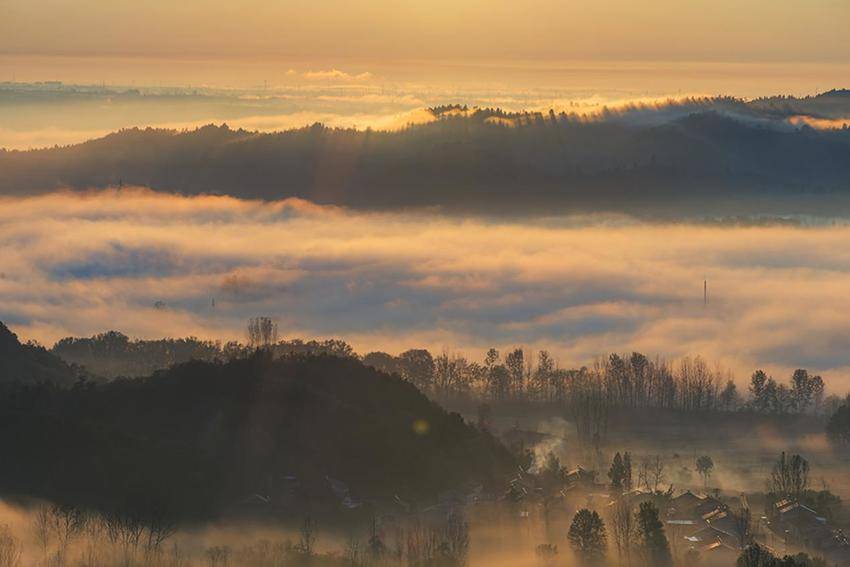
point(194, 439)
point(478, 158)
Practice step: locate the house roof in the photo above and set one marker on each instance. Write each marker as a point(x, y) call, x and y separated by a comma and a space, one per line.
point(693, 506)
point(798, 516)
point(710, 535)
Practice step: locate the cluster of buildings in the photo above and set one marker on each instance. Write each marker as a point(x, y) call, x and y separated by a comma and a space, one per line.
point(793, 524)
point(702, 525)
point(705, 525)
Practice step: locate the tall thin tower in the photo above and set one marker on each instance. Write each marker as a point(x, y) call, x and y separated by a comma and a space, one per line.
point(705, 292)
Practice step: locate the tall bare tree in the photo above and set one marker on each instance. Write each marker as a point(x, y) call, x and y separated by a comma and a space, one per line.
point(262, 332)
point(790, 476)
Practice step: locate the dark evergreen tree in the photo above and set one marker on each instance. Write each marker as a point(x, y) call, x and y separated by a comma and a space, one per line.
point(651, 538)
point(587, 537)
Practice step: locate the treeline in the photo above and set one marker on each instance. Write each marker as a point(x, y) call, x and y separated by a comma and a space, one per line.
point(623, 381)
point(113, 354)
point(471, 158)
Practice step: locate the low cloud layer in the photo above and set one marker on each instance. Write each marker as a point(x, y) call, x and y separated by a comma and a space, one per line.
point(151, 265)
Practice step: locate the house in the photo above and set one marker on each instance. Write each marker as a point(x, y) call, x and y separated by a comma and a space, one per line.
point(706, 526)
point(717, 554)
point(520, 487)
point(802, 526)
point(342, 493)
point(695, 507)
point(580, 477)
point(723, 530)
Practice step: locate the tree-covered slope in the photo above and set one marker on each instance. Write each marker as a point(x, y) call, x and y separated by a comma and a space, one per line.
point(200, 436)
point(29, 363)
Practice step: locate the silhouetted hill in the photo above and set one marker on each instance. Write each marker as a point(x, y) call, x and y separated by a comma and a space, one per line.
point(479, 159)
point(30, 364)
point(201, 436)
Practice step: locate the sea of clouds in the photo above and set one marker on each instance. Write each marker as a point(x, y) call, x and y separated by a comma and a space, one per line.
point(151, 265)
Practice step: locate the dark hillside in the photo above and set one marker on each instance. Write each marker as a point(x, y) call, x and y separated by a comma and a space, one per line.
point(201, 436)
point(29, 363)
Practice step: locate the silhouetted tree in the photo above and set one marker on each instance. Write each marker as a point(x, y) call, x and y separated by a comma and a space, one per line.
point(838, 426)
point(515, 363)
point(617, 473)
point(417, 366)
point(650, 537)
point(705, 465)
point(729, 396)
point(262, 332)
point(790, 476)
point(587, 537)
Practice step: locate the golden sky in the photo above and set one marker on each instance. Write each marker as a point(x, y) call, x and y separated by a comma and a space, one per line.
point(377, 30)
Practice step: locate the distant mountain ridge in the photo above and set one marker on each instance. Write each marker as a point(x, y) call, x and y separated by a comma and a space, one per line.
point(486, 159)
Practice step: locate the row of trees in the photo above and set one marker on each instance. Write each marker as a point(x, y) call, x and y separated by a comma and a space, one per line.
point(621, 381)
point(637, 534)
point(633, 381)
point(804, 394)
point(66, 536)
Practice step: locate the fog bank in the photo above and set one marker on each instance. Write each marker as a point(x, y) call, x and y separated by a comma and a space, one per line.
point(153, 265)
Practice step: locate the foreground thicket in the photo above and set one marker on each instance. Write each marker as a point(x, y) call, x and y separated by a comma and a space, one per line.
point(65, 536)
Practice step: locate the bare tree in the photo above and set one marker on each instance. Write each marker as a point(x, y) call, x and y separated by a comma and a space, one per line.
point(354, 554)
point(651, 473)
point(790, 476)
point(262, 332)
point(124, 530)
point(515, 363)
point(10, 548)
point(66, 522)
point(455, 545)
point(42, 528)
point(218, 556)
point(159, 526)
point(307, 541)
point(623, 529)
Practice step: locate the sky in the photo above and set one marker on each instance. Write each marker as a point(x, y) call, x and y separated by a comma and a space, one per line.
point(150, 265)
point(394, 58)
point(377, 30)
